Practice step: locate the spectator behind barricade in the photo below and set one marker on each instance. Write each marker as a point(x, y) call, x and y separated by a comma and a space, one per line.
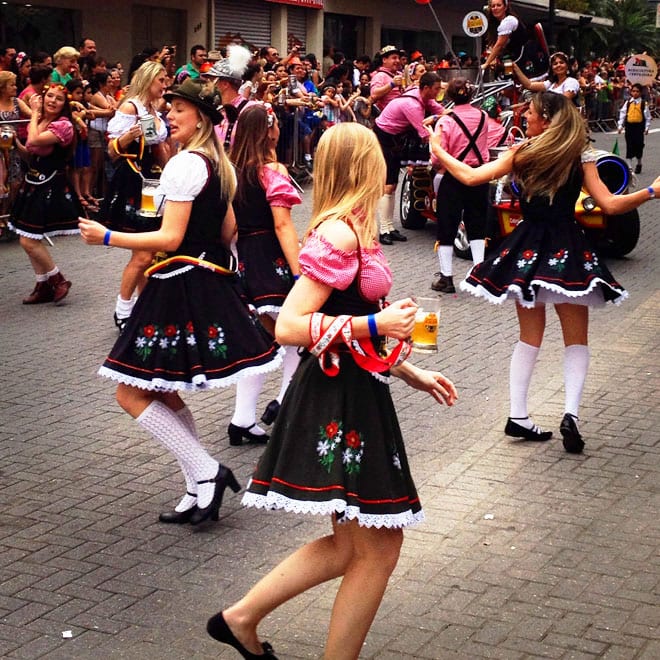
point(104, 105)
point(7, 54)
point(360, 65)
point(87, 50)
point(148, 53)
point(21, 65)
point(363, 106)
point(313, 69)
point(306, 91)
point(345, 97)
point(327, 61)
point(42, 57)
point(80, 95)
point(66, 65)
point(387, 80)
point(227, 75)
point(251, 80)
point(415, 72)
point(337, 60)
point(198, 56)
point(39, 75)
point(271, 57)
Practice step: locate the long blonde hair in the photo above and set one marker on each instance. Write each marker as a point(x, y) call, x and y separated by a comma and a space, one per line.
point(544, 163)
point(205, 141)
point(142, 80)
point(349, 178)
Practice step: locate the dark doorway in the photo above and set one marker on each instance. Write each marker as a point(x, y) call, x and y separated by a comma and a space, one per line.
point(39, 28)
point(344, 33)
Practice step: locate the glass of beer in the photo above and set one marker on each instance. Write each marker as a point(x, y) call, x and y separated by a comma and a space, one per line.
point(147, 205)
point(425, 333)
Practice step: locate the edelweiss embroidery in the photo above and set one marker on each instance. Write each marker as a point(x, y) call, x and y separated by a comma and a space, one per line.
point(328, 446)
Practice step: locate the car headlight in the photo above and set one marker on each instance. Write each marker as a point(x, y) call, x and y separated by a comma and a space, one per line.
point(588, 204)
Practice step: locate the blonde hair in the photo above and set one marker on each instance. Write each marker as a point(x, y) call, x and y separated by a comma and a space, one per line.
point(349, 178)
point(65, 51)
point(205, 141)
point(544, 163)
point(6, 78)
point(142, 80)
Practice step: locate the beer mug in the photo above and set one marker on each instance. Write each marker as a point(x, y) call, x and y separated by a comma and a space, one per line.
point(6, 137)
point(425, 333)
point(147, 205)
point(148, 125)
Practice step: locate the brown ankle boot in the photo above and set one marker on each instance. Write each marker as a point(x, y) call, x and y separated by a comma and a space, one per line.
point(43, 293)
point(60, 286)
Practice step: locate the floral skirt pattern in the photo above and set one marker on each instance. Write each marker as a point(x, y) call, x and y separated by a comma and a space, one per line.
point(543, 255)
point(264, 271)
point(190, 330)
point(336, 447)
point(48, 209)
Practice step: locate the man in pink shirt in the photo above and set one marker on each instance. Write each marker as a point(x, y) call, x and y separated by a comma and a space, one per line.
point(401, 117)
point(387, 80)
point(228, 75)
point(465, 135)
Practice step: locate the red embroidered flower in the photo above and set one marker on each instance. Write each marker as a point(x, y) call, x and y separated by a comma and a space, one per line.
point(170, 330)
point(587, 255)
point(241, 267)
point(504, 252)
point(528, 254)
point(280, 262)
point(560, 254)
point(212, 332)
point(353, 439)
point(149, 331)
point(332, 429)
point(189, 327)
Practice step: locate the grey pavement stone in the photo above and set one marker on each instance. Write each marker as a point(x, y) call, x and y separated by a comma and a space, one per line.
point(567, 568)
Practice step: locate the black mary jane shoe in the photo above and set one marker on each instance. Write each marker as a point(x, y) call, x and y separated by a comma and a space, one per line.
point(218, 629)
point(515, 430)
point(271, 412)
point(225, 477)
point(178, 517)
point(237, 433)
point(570, 436)
point(120, 323)
point(396, 235)
point(385, 239)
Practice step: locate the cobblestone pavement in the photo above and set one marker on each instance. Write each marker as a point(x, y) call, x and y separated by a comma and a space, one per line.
point(527, 552)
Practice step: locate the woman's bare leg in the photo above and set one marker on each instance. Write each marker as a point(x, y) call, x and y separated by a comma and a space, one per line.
point(38, 254)
point(133, 275)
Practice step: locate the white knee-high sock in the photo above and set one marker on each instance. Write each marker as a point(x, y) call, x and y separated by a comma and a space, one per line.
point(289, 366)
point(523, 361)
point(386, 213)
point(576, 365)
point(248, 389)
point(169, 429)
point(445, 256)
point(190, 498)
point(478, 247)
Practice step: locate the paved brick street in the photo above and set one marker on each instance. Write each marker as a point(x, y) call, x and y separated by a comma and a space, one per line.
point(527, 552)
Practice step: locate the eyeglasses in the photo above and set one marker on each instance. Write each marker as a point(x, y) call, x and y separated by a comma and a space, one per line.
point(274, 54)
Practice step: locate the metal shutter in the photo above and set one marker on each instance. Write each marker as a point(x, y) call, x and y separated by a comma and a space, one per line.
point(297, 26)
point(248, 20)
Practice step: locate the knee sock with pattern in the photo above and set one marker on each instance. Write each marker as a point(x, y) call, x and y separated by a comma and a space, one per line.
point(172, 432)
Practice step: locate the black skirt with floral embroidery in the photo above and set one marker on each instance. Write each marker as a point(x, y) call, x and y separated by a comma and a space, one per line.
point(190, 330)
point(336, 448)
point(547, 258)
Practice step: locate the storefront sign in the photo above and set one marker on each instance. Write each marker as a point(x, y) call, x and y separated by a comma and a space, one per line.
point(312, 4)
point(641, 69)
point(475, 24)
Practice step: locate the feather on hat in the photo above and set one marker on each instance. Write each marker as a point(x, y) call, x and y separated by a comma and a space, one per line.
point(233, 66)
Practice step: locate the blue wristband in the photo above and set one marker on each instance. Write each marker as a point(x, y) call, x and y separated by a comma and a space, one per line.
point(651, 192)
point(296, 277)
point(373, 328)
point(106, 238)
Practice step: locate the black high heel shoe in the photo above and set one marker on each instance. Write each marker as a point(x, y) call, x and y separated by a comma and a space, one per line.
point(571, 438)
point(225, 477)
point(178, 517)
point(271, 412)
point(237, 433)
point(218, 629)
point(515, 430)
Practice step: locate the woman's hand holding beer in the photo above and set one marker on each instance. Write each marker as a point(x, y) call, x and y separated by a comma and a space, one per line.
point(397, 320)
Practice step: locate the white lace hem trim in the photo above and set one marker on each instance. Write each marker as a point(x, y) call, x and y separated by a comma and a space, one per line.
point(199, 382)
point(39, 237)
point(268, 309)
point(515, 291)
point(277, 501)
